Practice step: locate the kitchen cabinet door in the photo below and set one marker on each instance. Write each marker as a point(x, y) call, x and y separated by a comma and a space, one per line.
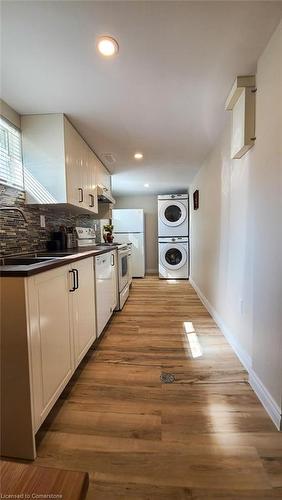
point(83, 307)
point(103, 176)
point(75, 175)
point(50, 337)
point(92, 198)
point(114, 278)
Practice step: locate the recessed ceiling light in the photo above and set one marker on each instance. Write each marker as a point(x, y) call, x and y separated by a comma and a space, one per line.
point(138, 156)
point(107, 46)
point(146, 185)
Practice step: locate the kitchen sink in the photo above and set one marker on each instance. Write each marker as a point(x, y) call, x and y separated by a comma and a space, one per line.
point(23, 261)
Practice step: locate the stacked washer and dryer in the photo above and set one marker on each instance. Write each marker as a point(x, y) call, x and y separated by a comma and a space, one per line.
point(173, 231)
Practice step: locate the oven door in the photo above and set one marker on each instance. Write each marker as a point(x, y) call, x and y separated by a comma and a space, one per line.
point(123, 268)
point(129, 261)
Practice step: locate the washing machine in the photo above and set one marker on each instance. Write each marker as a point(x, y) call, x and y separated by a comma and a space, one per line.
point(174, 258)
point(173, 215)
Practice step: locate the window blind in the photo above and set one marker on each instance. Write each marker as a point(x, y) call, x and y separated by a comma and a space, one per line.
point(11, 166)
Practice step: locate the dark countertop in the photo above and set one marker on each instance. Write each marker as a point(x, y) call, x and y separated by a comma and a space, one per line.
point(73, 254)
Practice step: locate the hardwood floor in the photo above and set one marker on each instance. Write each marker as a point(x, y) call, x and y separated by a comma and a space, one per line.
point(204, 436)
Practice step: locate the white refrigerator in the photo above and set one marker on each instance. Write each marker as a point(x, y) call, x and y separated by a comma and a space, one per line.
point(129, 228)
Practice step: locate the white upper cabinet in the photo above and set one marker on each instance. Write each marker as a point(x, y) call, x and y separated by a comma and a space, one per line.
point(59, 167)
point(91, 190)
point(74, 167)
point(241, 101)
point(103, 176)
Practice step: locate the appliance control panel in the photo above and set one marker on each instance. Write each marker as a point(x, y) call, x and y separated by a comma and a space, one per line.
point(173, 239)
point(85, 236)
point(173, 196)
point(85, 232)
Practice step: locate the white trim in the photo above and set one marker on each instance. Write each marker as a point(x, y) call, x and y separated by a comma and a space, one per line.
point(241, 353)
point(266, 399)
point(258, 387)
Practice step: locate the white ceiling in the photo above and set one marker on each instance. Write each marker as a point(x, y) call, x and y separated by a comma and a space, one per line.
point(163, 94)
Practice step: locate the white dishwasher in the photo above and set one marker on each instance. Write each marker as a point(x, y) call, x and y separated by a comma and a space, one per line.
point(103, 278)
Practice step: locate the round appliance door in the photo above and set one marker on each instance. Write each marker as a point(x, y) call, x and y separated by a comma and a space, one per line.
point(173, 256)
point(173, 213)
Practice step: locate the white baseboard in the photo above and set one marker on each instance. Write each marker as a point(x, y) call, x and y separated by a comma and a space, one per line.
point(266, 399)
point(261, 391)
point(241, 353)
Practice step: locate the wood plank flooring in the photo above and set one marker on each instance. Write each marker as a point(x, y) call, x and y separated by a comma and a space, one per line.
point(205, 436)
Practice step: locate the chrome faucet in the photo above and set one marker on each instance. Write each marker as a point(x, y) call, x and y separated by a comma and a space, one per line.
point(15, 209)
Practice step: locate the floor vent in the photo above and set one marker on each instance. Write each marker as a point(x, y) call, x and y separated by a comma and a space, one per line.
point(167, 378)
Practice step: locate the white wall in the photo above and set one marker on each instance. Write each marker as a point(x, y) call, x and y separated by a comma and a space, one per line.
point(150, 205)
point(237, 235)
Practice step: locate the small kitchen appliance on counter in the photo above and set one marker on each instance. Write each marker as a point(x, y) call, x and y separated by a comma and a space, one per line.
point(85, 236)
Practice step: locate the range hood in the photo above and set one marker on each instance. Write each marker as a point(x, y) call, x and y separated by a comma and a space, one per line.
point(104, 195)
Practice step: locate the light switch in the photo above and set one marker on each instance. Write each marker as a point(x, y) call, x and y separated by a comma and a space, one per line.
point(42, 221)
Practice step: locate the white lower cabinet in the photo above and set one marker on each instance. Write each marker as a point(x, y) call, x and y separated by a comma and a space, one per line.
point(50, 338)
point(61, 311)
point(83, 307)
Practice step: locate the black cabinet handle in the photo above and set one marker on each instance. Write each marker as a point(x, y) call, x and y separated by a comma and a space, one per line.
point(80, 190)
point(73, 286)
point(113, 259)
point(76, 279)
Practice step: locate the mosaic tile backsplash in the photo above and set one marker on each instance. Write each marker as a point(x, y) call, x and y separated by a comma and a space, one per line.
point(18, 237)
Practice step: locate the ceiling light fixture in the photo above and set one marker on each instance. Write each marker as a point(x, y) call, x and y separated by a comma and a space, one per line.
point(146, 185)
point(138, 156)
point(107, 46)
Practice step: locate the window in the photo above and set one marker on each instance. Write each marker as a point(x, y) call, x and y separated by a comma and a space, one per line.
point(11, 165)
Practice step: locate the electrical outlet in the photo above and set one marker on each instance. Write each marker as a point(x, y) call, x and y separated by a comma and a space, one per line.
point(42, 221)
